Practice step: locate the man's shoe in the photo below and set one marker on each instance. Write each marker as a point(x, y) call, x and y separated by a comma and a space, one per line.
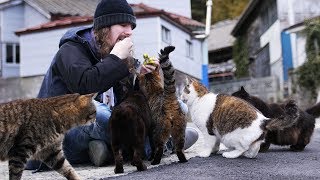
point(191, 137)
point(32, 165)
point(99, 152)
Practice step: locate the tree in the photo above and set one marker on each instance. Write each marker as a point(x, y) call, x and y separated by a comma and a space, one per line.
point(221, 10)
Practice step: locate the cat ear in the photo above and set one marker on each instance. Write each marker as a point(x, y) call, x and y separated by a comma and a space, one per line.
point(83, 99)
point(243, 90)
point(93, 95)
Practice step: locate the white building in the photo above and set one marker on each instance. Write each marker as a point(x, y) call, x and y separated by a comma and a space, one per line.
point(31, 30)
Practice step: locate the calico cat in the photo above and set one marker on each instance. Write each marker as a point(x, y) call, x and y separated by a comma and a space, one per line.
point(230, 120)
point(35, 128)
point(129, 124)
point(297, 136)
point(165, 108)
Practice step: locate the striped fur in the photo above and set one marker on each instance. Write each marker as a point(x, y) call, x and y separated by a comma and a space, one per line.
point(34, 129)
point(165, 108)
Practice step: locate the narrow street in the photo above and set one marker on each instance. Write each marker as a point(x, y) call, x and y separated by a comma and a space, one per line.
point(277, 163)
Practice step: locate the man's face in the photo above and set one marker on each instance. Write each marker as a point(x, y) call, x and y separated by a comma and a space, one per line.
point(119, 32)
point(107, 37)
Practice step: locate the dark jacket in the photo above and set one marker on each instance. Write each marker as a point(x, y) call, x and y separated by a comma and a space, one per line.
point(77, 68)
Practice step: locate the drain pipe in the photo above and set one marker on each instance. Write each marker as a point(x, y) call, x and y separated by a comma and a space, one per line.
point(208, 21)
point(204, 45)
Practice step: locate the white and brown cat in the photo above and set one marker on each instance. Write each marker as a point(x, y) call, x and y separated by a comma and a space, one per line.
point(231, 121)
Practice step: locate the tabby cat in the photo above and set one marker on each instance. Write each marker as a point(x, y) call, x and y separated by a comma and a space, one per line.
point(297, 136)
point(129, 124)
point(165, 108)
point(35, 128)
point(232, 121)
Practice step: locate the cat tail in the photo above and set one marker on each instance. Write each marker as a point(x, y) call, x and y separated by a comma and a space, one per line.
point(168, 71)
point(284, 121)
point(314, 110)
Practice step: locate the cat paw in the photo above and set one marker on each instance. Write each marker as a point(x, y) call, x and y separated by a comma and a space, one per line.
point(182, 158)
point(297, 147)
point(118, 170)
point(164, 54)
point(264, 147)
point(232, 154)
point(204, 154)
point(142, 167)
point(167, 50)
point(155, 162)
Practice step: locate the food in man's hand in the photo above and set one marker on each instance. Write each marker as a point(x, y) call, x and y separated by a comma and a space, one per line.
point(148, 60)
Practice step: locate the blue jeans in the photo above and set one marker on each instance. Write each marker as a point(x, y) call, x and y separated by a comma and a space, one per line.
point(76, 141)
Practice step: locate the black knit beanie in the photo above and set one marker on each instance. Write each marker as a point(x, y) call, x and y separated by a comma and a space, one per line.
point(110, 12)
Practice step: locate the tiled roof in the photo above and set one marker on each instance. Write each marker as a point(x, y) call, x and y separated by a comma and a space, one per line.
point(141, 10)
point(63, 22)
point(64, 7)
point(85, 11)
point(220, 35)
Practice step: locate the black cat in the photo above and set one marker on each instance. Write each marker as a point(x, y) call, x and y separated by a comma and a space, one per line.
point(129, 124)
point(297, 136)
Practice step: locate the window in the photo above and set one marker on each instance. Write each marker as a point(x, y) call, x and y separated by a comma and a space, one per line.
point(189, 50)
point(17, 54)
point(262, 63)
point(12, 55)
point(9, 50)
point(166, 35)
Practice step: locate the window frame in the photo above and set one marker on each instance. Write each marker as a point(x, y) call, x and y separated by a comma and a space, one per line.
point(15, 53)
point(189, 49)
point(165, 35)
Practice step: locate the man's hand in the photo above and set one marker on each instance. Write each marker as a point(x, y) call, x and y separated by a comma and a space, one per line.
point(147, 68)
point(122, 49)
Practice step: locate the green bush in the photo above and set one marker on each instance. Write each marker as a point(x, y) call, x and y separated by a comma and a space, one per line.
point(241, 57)
point(308, 75)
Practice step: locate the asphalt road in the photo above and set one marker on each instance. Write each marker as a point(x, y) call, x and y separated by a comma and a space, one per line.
point(277, 163)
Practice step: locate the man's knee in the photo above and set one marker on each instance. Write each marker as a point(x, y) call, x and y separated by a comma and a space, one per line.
point(103, 114)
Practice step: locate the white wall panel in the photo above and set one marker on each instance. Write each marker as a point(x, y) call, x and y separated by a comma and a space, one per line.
point(12, 19)
point(33, 17)
point(38, 50)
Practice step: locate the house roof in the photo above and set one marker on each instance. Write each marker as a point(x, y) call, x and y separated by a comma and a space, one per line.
point(52, 8)
point(61, 16)
point(300, 25)
point(247, 16)
point(142, 10)
point(56, 24)
point(220, 35)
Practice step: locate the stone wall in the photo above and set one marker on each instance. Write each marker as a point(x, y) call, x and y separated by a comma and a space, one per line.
point(266, 88)
point(19, 88)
